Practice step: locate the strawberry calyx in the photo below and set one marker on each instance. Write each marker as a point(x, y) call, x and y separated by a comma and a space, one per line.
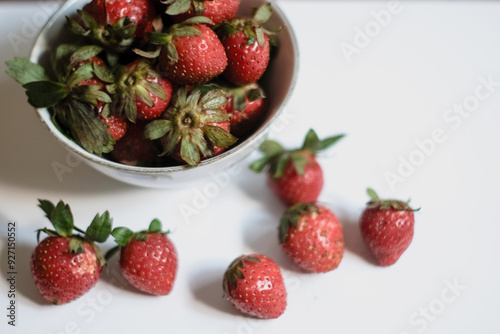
point(118, 36)
point(252, 28)
point(165, 39)
point(233, 272)
point(188, 125)
point(292, 215)
point(61, 219)
point(176, 7)
point(123, 235)
point(376, 202)
point(130, 84)
point(276, 157)
point(238, 96)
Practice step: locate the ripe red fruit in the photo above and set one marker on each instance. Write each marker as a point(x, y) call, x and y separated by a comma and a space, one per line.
point(294, 175)
point(311, 235)
point(217, 10)
point(192, 53)
point(387, 228)
point(254, 285)
point(247, 107)
point(115, 24)
point(64, 265)
point(194, 127)
point(134, 149)
point(247, 47)
point(117, 127)
point(148, 259)
point(60, 275)
point(140, 91)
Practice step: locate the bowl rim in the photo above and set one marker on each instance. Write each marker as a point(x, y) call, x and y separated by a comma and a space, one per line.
point(101, 161)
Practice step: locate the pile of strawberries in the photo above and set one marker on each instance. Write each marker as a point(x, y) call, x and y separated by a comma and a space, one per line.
point(155, 83)
point(65, 265)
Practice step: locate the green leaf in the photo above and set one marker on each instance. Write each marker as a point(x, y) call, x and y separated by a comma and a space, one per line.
point(157, 129)
point(100, 228)
point(213, 99)
point(76, 246)
point(186, 31)
point(159, 38)
point(170, 144)
point(214, 116)
point(103, 73)
point(24, 71)
point(84, 53)
point(62, 219)
point(279, 167)
point(249, 34)
point(98, 254)
point(271, 148)
point(76, 28)
point(189, 152)
point(45, 94)
point(311, 141)
point(142, 93)
point(198, 20)
point(155, 88)
point(122, 235)
point(372, 194)
point(259, 164)
point(299, 162)
point(155, 226)
point(218, 136)
point(178, 7)
point(263, 14)
point(325, 143)
point(47, 207)
point(259, 33)
point(83, 72)
point(199, 7)
point(91, 94)
point(172, 54)
point(148, 54)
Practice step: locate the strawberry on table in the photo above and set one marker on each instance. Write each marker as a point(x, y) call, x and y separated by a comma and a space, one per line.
point(294, 175)
point(190, 52)
point(311, 235)
point(247, 46)
point(254, 285)
point(217, 10)
point(65, 265)
point(193, 127)
point(387, 228)
point(148, 259)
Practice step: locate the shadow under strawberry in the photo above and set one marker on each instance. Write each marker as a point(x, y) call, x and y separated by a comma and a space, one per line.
point(25, 286)
point(209, 291)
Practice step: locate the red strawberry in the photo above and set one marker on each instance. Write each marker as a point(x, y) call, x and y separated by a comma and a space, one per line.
point(387, 228)
point(294, 175)
point(192, 53)
point(246, 107)
point(247, 47)
point(311, 235)
point(217, 10)
point(65, 266)
point(115, 24)
point(134, 149)
point(140, 91)
point(117, 127)
point(148, 259)
point(193, 127)
point(254, 285)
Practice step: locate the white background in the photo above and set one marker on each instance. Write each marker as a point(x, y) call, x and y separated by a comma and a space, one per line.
point(390, 95)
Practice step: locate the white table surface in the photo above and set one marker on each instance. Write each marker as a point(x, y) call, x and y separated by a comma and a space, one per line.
point(397, 90)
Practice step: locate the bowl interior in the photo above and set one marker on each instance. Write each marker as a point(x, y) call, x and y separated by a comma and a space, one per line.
point(278, 83)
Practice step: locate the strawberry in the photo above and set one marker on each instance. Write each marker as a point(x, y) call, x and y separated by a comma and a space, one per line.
point(294, 175)
point(193, 127)
point(148, 259)
point(115, 24)
point(140, 91)
point(192, 53)
point(311, 235)
point(254, 285)
point(117, 127)
point(64, 265)
point(217, 10)
point(387, 228)
point(246, 105)
point(75, 94)
point(133, 148)
point(247, 46)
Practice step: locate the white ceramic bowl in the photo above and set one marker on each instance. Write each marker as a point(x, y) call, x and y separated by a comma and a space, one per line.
point(280, 81)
